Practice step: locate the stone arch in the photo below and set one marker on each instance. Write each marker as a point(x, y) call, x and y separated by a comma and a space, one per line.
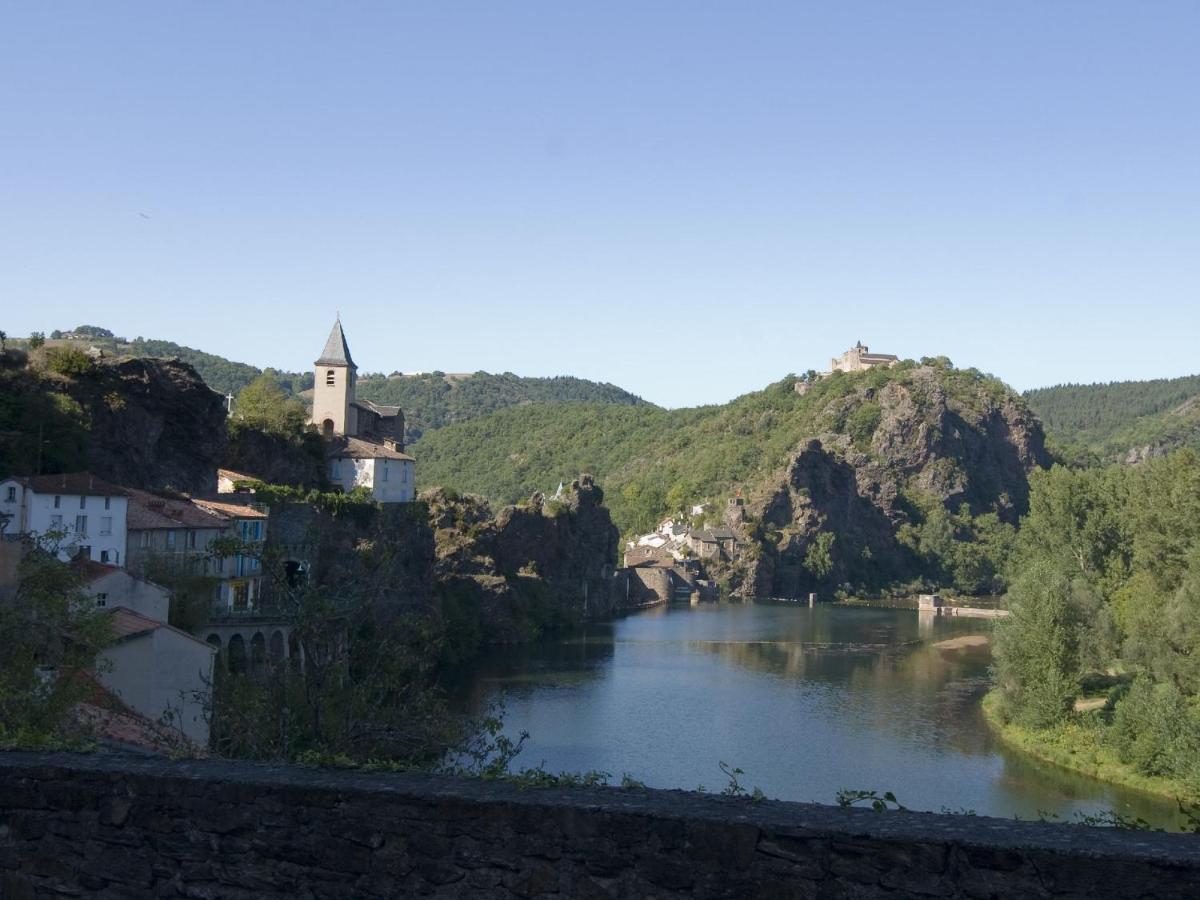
point(215, 640)
point(294, 654)
point(258, 649)
point(237, 653)
point(278, 648)
point(327, 428)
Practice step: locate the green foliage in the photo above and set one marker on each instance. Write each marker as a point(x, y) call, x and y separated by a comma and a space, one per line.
point(220, 374)
point(264, 405)
point(52, 632)
point(1109, 419)
point(434, 400)
point(70, 362)
point(36, 340)
point(861, 424)
point(819, 557)
point(878, 802)
point(41, 429)
point(1108, 581)
point(93, 331)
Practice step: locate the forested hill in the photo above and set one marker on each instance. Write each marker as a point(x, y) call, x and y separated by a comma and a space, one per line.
point(432, 400)
point(429, 400)
point(1122, 420)
point(928, 430)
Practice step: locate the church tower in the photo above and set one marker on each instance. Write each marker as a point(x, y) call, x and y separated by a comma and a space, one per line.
point(333, 389)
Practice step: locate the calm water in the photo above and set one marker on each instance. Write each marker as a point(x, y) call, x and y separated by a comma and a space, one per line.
point(806, 701)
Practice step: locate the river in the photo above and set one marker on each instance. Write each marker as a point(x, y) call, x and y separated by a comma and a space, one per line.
point(806, 701)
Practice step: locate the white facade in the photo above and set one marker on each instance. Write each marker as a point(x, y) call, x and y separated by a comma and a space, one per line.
point(163, 673)
point(389, 480)
point(119, 588)
point(87, 512)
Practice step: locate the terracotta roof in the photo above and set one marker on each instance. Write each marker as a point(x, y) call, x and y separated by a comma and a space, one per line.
point(128, 624)
point(94, 571)
point(82, 483)
point(231, 510)
point(337, 351)
point(148, 511)
point(345, 447)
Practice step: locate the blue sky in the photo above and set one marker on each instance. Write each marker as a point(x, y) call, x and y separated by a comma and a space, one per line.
point(686, 199)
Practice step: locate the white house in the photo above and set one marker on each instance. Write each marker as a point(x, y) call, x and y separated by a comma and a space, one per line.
point(364, 441)
point(159, 671)
point(111, 587)
point(88, 513)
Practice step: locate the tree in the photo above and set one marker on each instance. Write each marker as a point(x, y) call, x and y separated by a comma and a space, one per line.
point(37, 339)
point(264, 405)
point(3, 341)
point(52, 632)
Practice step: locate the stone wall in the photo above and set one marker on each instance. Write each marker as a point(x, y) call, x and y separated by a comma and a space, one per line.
point(112, 826)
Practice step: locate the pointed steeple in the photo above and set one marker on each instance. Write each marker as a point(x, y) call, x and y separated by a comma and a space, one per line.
point(337, 351)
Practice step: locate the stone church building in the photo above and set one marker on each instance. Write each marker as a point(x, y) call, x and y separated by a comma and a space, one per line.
point(364, 442)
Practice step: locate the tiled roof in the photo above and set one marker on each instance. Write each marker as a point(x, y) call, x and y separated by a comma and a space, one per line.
point(127, 624)
point(230, 510)
point(235, 476)
point(148, 511)
point(82, 483)
point(345, 447)
point(386, 411)
point(337, 351)
point(94, 571)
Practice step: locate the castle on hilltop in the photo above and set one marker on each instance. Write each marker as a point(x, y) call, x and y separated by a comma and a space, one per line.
point(859, 358)
point(364, 441)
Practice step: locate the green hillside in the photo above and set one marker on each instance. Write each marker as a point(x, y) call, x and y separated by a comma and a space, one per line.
point(1113, 419)
point(652, 461)
point(434, 399)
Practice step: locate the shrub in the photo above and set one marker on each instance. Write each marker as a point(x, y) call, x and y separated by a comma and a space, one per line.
point(70, 362)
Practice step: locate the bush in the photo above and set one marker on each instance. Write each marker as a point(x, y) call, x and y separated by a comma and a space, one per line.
point(70, 362)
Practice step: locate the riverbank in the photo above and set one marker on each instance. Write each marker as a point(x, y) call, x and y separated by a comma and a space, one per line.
point(1078, 746)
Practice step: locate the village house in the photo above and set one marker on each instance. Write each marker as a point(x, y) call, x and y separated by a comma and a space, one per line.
point(364, 440)
point(714, 543)
point(159, 671)
point(111, 587)
point(85, 513)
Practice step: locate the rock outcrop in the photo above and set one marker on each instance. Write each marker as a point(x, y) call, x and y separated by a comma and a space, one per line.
point(972, 446)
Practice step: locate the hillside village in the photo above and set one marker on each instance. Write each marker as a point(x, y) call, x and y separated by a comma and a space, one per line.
point(127, 545)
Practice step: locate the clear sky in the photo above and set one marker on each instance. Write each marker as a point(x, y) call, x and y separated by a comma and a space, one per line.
point(686, 199)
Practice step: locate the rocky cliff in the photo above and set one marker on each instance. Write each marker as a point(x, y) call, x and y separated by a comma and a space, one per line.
point(898, 444)
point(532, 567)
point(146, 423)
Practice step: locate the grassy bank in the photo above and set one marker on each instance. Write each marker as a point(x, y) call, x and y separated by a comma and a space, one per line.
point(1078, 745)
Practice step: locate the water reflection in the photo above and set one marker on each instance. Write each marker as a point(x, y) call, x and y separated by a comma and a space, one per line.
point(807, 701)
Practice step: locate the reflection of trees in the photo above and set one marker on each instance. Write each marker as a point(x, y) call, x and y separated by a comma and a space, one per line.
point(522, 669)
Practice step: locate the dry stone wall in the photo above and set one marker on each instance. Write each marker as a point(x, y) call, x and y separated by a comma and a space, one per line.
point(117, 826)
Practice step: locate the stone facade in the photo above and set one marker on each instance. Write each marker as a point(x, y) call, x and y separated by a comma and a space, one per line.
point(859, 358)
point(107, 826)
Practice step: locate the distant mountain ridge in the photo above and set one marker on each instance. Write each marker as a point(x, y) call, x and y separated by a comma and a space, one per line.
point(430, 400)
point(1122, 420)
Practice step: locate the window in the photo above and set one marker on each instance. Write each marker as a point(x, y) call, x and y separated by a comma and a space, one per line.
point(241, 596)
point(330, 376)
point(170, 540)
point(385, 470)
point(337, 470)
point(83, 501)
point(102, 599)
point(404, 473)
point(145, 540)
point(106, 524)
point(57, 501)
point(103, 556)
point(56, 523)
point(11, 496)
point(191, 540)
point(107, 502)
point(81, 525)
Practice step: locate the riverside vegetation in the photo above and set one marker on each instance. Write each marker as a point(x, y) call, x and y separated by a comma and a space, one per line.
point(1105, 601)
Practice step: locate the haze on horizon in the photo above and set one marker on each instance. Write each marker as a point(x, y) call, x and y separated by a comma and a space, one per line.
point(689, 203)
